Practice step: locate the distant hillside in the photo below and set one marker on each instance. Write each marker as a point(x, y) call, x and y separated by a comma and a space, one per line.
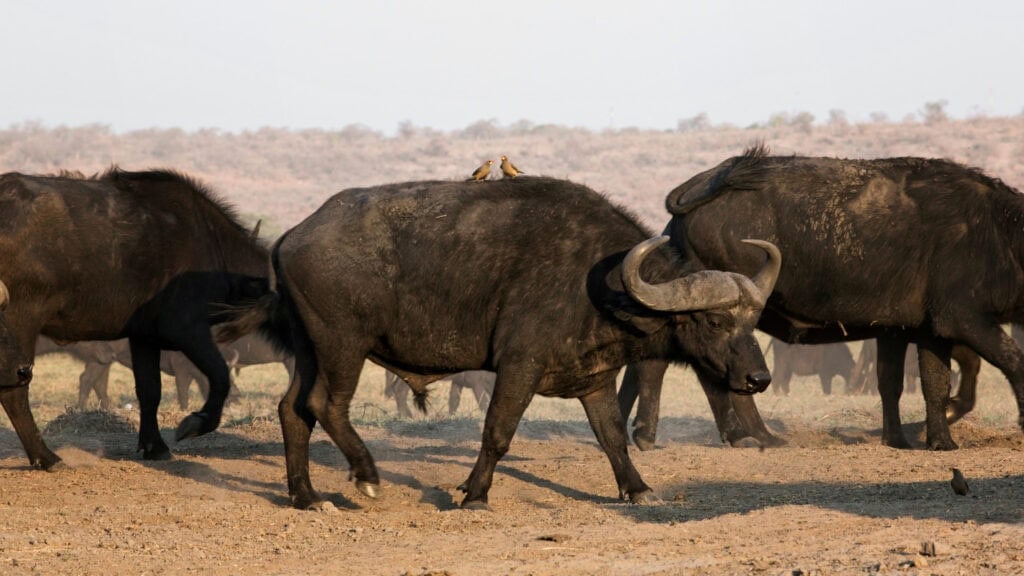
point(282, 175)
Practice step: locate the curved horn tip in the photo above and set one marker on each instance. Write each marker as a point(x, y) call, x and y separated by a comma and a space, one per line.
point(769, 273)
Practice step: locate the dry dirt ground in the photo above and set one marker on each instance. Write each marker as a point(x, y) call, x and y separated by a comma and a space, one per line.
point(833, 501)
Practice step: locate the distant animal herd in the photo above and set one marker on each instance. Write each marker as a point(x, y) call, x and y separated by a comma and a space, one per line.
point(519, 286)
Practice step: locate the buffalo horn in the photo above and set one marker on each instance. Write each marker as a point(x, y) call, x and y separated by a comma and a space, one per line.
point(769, 273)
point(697, 291)
point(5, 296)
point(701, 290)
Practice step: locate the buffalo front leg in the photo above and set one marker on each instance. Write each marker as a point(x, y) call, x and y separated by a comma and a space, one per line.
point(933, 359)
point(891, 352)
point(15, 403)
point(513, 391)
point(966, 394)
point(146, 368)
point(606, 421)
point(643, 380)
point(1002, 351)
point(736, 415)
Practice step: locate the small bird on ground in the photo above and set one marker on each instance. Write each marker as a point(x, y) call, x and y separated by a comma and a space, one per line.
point(959, 483)
point(508, 168)
point(481, 173)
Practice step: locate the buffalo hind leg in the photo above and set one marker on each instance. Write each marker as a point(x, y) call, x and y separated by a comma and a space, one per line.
point(933, 359)
point(889, 366)
point(146, 368)
point(966, 394)
point(205, 355)
point(15, 403)
point(296, 427)
point(606, 421)
point(329, 401)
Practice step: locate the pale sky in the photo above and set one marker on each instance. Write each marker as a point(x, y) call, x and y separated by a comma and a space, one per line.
point(243, 65)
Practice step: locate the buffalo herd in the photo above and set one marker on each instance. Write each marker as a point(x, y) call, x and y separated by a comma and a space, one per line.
point(535, 285)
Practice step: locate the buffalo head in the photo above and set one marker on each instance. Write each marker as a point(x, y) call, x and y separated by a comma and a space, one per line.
point(724, 308)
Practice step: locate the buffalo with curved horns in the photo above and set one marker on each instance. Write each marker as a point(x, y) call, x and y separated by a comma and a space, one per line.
point(542, 281)
point(899, 249)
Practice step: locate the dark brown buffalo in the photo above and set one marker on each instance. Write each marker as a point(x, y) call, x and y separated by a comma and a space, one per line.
point(151, 256)
point(899, 249)
point(536, 279)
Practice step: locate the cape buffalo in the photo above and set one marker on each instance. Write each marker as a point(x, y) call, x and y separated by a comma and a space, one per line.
point(145, 255)
point(901, 249)
point(536, 279)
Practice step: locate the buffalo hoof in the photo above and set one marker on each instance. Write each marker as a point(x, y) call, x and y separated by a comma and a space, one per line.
point(307, 501)
point(899, 442)
point(956, 410)
point(57, 466)
point(944, 444)
point(476, 505)
point(195, 424)
point(643, 440)
point(644, 497)
point(369, 489)
point(156, 453)
point(771, 441)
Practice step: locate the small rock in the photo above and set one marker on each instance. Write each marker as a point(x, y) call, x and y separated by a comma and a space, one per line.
point(554, 538)
point(679, 497)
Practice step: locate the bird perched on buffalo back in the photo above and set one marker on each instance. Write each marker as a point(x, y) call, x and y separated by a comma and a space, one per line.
point(482, 172)
point(508, 168)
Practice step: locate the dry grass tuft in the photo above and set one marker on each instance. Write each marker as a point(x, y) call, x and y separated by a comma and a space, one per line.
point(75, 421)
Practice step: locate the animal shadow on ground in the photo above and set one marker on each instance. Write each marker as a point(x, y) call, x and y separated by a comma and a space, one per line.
point(919, 500)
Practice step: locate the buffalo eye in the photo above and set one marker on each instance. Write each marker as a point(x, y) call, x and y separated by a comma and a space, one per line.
point(719, 321)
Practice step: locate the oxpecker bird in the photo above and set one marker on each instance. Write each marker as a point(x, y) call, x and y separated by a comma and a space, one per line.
point(959, 483)
point(508, 169)
point(482, 172)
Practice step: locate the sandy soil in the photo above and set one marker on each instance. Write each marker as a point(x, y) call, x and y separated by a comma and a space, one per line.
point(833, 501)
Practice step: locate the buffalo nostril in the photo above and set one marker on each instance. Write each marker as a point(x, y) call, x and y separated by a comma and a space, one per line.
point(25, 373)
point(759, 380)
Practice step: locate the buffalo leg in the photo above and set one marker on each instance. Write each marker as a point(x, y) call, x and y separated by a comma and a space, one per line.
point(889, 365)
point(933, 359)
point(15, 403)
point(966, 394)
point(146, 368)
point(606, 421)
point(296, 427)
point(454, 398)
point(95, 376)
point(643, 380)
point(202, 352)
point(1001, 351)
point(513, 391)
point(329, 401)
point(736, 415)
point(482, 394)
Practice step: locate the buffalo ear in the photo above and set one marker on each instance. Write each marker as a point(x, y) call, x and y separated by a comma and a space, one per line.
point(627, 311)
